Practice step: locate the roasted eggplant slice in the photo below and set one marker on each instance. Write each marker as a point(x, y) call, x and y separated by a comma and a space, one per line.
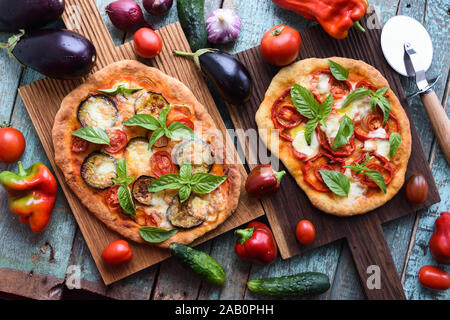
point(150, 103)
point(138, 156)
point(189, 214)
point(98, 170)
point(196, 152)
point(98, 111)
point(140, 190)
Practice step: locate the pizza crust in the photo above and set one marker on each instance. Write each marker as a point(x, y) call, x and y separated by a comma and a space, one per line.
point(335, 205)
point(175, 92)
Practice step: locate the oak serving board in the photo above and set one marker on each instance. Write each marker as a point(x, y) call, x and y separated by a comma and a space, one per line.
point(363, 233)
point(43, 98)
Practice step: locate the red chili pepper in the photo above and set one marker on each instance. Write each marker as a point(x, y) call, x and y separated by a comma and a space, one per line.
point(32, 194)
point(263, 181)
point(256, 244)
point(440, 240)
point(434, 278)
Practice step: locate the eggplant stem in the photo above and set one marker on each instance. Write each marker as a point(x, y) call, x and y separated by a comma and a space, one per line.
point(11, 44)
point(195, 55)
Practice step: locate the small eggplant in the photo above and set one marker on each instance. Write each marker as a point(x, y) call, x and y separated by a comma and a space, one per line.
point(56, 53)
point(26, 14)
point(227, 74)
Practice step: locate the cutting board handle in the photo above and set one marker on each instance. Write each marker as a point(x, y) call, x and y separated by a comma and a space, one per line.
point(373, 260)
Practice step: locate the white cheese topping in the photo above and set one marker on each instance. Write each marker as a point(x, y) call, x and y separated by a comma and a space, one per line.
point(379, 146)
point(332, 127)
point(356, 190)
point(379, 133)
point(300, 144)
point(322, 86)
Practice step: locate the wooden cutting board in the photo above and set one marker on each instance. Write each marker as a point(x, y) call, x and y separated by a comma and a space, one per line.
point(43, 98)
point(363, 233)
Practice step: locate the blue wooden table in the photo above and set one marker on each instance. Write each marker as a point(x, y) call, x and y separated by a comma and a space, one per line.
point(43, 266)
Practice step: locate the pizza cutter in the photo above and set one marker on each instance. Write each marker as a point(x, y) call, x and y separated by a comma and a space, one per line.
point(408, 49)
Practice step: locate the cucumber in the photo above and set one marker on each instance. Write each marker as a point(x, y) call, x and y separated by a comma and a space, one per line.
point(201, 263)
point(302, 284)
point(191, 16)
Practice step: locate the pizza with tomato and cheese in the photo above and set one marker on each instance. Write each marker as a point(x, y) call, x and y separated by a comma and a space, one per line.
point(136, 147)
point(343, 134)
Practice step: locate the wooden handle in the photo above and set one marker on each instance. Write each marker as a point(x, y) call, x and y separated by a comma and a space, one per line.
point(439, 121)
point(373, 260)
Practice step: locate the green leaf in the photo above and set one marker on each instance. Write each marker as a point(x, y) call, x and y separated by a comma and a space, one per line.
point(309, 129)
point(382, 91)
point(336, 181)
point(395, 139)
point(163, 116)
point(386, 108)
point(126, 200)
point(356, 95)
point(156, 235)
point(366, 161)
point(158, 133)
point(120, 89)
point(184, 193)
point(304, 101)
point(92, 134)
point(167, 181)
point(377, 178)
point(325, 107)
point(344, 133)
point(186, 171)
point(180, 131)
point(205, 182)
point(338, 71)
point(146, 121)
point(121, 168)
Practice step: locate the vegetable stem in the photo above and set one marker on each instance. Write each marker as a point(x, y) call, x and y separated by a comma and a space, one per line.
point(357, 25)
point(22, 171)
point(244, 234)
point(279, 175)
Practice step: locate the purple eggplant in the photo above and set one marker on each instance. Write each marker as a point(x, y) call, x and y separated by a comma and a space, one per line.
point(56, 53)
point(27, 14)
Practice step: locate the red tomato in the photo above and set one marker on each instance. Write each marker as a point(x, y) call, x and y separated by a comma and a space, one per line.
point(117, 252)
point(112, 200)
point(117, 140)
point(79, 145)
point(417, 189)
point(161, 163)
point(305, 232)
point(147, 43)
point(12, 144)
point(280, 45)
point(183, 120)
point(366, 85)
point(434, 278)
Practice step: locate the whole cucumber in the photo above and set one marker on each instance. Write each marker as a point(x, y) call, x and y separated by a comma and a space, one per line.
point(201, 263)
point(302, 284)
point(191, 16)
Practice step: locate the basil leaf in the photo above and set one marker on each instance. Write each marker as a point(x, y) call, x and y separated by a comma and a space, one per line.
point(126, 200)
point(146, 121)
point(158, 133)
point(385, 106)
point(123, 181)
point(186, 171)
point(167, 181)
point(381, 92)
point(304, 101)
point(377, 178)
point(184, 193)
point(355, 167)
point(344, 133)
point(395, 139)
point(336, 181)
point(338, 71)
point(309, 129)
point(163, 116)
point(326, 106)
point(205, 182)
point(156, 235)
point(121, 168)
point(121, 89)
point(92, 134)
point(356, 95)
point(366, 161)
point(180, 131)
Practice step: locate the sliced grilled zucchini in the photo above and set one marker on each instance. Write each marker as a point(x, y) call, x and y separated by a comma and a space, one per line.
point(150, 103)
point(98, 111)
point(98, 170)
point(140, 190)
point(138, 156)
point(196, 152)
point(188, 214)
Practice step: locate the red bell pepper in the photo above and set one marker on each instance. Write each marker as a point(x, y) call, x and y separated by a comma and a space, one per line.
point(256, 244)
point(263, 181)
point(440, 240)
point(32, 194)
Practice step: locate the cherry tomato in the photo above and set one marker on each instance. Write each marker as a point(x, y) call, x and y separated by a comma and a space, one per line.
point(117, 252)
point(147, 43)
point(366, 85)
point(117, 140)
point(434, 278)
point(280, 45)
point(417, 189)
point(183, 120)
point(112, 200)
point(12, 144)
point(161, 163)
point(305, 232)
point(79, 145)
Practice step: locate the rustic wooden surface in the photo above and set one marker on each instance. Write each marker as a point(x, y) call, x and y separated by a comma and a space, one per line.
point(28, 268)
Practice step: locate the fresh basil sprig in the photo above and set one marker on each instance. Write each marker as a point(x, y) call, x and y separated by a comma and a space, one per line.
point(92, 134)
point(186, 182)
point(376, 98)
point(309, 107)
point(120, 89)
point(344, 133)
point(372, 174)
point(395, 139)
point(176, 130)
point(156, 235)
point(338, 71)
point(336, 181)
point(124, 193)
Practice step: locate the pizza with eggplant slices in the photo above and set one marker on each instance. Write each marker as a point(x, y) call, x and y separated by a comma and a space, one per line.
point(343, 134)
point(142, 154)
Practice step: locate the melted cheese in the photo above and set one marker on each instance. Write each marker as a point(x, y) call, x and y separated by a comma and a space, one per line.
point(332, 127)
point(357, 109)
point(99, 113)
point(138, 158)
point(379, 146)
point(300, 144)
point(379, 133)
point(323, 86)
point(356, 190)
